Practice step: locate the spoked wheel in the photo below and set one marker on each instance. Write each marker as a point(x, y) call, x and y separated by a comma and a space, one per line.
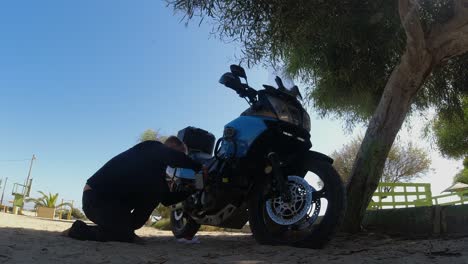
point(311, 216)
point(182, 225)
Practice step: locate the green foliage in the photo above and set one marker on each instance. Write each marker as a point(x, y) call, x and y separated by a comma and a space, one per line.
point(162, 211)
point(462, 176)
point(344, 50)
point(45, 200)
point(77, 214)
point(404, 162)
point(163, 224)
point(344, 158)
point(207, 228)
point(151, 135)
point(451, 133)
point(18, 200)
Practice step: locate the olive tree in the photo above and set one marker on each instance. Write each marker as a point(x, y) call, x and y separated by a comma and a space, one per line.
point(365, 61)
point(405, 161)
point(154, 135)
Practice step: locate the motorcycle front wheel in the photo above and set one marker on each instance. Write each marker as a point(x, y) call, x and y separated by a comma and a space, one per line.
point(307, 221)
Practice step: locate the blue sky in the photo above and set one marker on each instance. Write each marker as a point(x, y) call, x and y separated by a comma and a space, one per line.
point(79, 81)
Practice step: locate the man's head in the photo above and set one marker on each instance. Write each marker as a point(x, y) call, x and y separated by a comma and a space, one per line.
point(175, 143)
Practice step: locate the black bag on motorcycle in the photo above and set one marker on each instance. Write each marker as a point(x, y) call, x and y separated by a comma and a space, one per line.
point(197, 139)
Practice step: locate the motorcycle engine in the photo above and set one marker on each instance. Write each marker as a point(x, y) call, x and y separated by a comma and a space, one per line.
point(211, 199)
point(208, 201)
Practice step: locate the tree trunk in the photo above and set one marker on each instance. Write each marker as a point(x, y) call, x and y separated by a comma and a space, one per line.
point(422, 54)
point(399, 92)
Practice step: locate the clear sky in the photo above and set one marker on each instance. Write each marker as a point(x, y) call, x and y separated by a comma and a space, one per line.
point(79, 81)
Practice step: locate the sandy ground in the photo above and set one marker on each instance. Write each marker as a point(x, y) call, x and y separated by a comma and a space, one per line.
point(26, 239)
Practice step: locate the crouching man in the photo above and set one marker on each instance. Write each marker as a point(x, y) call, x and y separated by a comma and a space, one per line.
point(120, 196)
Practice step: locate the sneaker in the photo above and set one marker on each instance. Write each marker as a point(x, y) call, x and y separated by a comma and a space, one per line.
point(66, 232)
point(77, 230)
point(193, 240)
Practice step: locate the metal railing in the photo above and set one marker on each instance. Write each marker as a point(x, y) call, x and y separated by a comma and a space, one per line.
point(21, 189)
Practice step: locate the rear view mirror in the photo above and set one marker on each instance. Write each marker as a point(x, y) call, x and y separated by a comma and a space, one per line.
point(238, 71)
point(232, 81)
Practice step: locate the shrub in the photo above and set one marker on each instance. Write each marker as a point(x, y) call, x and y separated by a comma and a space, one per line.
point(163, 224)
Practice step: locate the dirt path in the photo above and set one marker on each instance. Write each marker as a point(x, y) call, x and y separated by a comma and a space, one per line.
point(26, 239)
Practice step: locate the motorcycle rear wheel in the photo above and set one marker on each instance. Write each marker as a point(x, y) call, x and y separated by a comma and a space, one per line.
point(182, 225)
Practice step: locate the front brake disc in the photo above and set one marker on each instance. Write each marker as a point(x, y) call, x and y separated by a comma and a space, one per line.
point(289, 213)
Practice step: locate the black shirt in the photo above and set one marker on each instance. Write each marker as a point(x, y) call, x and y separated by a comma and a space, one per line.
point(136, 177)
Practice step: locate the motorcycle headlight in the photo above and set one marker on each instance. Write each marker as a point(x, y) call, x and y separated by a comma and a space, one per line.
point(281, 109)
point(290, 113)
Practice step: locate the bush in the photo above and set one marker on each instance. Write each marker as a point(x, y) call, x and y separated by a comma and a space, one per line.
point(163, 224)
point(207, 228)
point(162, 211)
point(77, 214)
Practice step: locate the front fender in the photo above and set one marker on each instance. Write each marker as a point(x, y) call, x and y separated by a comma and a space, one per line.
point(314, 155)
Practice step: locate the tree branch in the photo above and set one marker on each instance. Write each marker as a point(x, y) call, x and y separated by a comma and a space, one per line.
point(460, 18)
point(409, 16)
point(451, 38)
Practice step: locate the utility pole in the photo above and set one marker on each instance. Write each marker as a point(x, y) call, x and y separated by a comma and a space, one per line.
point(25, 190)
point(4, 185)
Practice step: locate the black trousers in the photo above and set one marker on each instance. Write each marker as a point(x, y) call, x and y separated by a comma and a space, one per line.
point(114, 221)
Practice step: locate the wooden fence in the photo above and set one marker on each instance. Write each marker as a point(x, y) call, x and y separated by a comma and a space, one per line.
point(404, 195)
point(401, 195)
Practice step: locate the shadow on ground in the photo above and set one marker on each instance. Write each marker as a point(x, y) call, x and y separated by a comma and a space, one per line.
point(21, 245)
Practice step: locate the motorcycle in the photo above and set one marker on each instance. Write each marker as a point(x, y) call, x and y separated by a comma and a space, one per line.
point(262, 172)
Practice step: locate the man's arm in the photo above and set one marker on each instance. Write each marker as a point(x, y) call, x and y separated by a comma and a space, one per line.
point(175, 158)
point(141, 214)
point(171, 198)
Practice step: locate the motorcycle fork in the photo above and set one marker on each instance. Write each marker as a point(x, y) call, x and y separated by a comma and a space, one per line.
point(280, 181)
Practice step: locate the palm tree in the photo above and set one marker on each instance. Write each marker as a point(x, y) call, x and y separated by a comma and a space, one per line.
point(49, 201)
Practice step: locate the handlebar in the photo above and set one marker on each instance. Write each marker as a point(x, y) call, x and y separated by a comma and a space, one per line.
point(249, 92)
point(232, 81)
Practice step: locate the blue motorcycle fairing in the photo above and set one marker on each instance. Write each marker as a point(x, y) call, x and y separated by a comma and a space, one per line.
point(185, 173)
point(247, 130)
